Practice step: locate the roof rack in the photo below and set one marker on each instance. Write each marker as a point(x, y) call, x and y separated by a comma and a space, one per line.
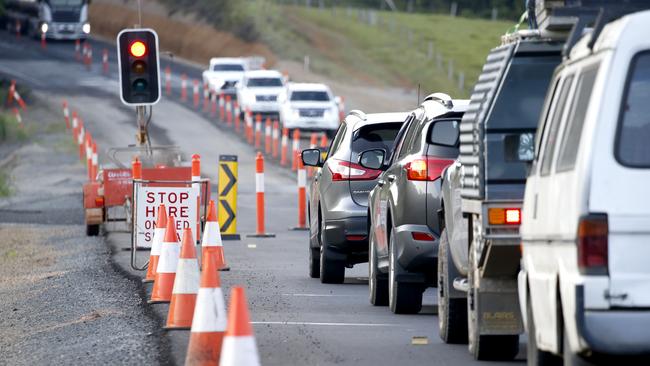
point(358, 113)
point(441, 98)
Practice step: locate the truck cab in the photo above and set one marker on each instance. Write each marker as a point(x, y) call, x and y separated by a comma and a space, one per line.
point(56, 19)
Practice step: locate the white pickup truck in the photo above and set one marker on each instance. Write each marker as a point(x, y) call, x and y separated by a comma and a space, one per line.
point(225, 72)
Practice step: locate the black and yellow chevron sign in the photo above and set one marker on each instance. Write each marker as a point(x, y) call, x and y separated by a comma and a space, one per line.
point(227, 188)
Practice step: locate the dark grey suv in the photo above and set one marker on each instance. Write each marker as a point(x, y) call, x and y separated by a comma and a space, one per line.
point(404, 205)
point(338, 194)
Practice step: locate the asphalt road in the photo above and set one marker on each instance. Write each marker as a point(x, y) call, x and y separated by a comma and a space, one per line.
point(297, 320)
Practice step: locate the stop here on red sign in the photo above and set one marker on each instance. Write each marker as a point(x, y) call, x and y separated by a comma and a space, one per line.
point(180, 203)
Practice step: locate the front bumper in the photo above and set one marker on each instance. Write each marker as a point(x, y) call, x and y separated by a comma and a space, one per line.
point(614, 331)
point(65, 31)
point(415, 255)
point(311, 124)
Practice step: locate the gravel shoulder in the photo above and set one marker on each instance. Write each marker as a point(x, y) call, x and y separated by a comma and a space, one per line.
point(62, 299)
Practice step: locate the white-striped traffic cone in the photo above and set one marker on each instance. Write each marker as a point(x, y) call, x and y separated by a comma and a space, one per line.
point(166, 271)
point(186, 286)
point(211, 245)
point(156, 244)
point(239, 346)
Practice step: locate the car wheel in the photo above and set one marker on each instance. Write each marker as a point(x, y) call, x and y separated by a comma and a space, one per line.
point(377, 282)
point(331, 271)
point(92, 230)
point(452, 313)
point(484, 347)
point(403, 297)
point(314, 254)
point(534, 355)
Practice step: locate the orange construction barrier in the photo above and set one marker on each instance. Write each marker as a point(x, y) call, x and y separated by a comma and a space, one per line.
point(209, 321)
point(186, 286)
point(285, 146)
point(196, 176)
point(95, 161)
point(259, 190)
point(295, 149)
point(323, 141)
point(80, 139)
point(239, 347)
point(163, 283)
point(302, 196)
point(211, 245)
point(156, 243)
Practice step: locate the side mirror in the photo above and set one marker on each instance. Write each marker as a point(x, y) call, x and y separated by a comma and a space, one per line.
point(445, 133)
point(311, 157)
point(520, 147)
point(372, 159)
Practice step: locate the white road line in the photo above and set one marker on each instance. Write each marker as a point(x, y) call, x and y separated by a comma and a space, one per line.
point(331, 324)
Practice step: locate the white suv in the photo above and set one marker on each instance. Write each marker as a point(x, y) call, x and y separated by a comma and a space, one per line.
point(224, 73)
point(584, 287)
point(309, 107)
point(259, 92)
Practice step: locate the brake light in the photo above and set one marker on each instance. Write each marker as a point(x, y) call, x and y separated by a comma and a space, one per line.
point(504, 216)
point(345, 170)
point(416, 235)
point(426, 168)
point(593, 231)
point(355, 237)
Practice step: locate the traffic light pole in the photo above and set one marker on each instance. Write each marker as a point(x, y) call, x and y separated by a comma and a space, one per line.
point(143, 124)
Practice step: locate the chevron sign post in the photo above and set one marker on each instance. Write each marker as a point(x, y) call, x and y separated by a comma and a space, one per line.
point(228, 197)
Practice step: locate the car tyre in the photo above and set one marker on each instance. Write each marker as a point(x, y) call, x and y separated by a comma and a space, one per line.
point(535, 356)
point(484, 347)
point(377, 282)
point(314, 263)
point(92, 230)
point(452, 313)
point(403, 297)
point(331, 271)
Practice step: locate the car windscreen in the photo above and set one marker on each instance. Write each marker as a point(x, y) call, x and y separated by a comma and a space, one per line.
point(62, 3)
point(310, 96)
point(375, 136)
point(520, 100)
point(264, 82)
point(228, 67)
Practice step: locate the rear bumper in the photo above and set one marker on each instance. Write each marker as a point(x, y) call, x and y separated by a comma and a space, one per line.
point(615, 332)
point(415, 255)
point(336, 234)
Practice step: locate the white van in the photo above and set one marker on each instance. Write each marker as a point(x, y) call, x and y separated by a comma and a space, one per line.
point(584, 287)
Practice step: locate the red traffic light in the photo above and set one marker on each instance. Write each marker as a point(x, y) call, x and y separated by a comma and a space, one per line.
point(138, 49)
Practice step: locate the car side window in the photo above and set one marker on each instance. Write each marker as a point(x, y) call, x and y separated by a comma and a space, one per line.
point(397, 145)
point(573, 131)
point(553, 128)
point(406, 142)
point(336, 143)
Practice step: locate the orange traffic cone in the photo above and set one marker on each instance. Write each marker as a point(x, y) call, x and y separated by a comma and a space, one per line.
point(209, 323)
point(211, 243)
point(166, 270)
point(239, 348)
point(186, 286)
point(156, 244)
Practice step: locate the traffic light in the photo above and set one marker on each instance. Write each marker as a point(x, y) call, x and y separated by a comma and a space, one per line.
point(137, 54)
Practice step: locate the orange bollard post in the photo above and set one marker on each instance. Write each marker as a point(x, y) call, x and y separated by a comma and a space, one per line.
point(95, 161)
point(213, 103)
point(249, 126)
point(168, 81)
point(195, 93)
point(80, 140)
point(75, 125)
point(183, 88)
point(302, 196)
point(323, 141)
point(285, 146)
point(229, 110)
point(237, 113)
point(196, 177)
point(66, 114)
point(259, 191)
point(222, 107)
point(276, 138)
point(89, 155)
point(206, 97)
point(313, 141)
point(258, 131)
point(295, 148)
point(136, 168)
point(267, 136)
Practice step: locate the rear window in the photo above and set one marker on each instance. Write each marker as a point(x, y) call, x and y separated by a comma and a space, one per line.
point(310, 96)
point(520, 100)
point(632, 146)
point(264, 82)
point(228, 67)
point(376, 136)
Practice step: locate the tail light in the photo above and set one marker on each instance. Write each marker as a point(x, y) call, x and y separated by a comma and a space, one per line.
point(593, 231)
point(426, 168)
point(345, 170)
point(417, 235)
point(355, 237)
point(504, 216)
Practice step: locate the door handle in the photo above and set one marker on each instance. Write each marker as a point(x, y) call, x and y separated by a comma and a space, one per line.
point(391, 178)
point(381, 182)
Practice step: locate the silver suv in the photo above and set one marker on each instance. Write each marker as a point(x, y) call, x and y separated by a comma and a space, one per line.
point(338, 195)
point(404, 206)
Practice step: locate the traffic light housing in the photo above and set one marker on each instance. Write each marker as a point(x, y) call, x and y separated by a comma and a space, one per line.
point(139, 67)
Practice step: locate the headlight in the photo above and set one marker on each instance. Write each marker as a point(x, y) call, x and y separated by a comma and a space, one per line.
point(86, 28)
point(295, 113)
point(44, 28)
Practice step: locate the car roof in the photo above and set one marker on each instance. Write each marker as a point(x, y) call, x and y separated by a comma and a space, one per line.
point(356, 121)
point(433, 108)
point(263, 74)
point(308, 86)
point(227, 60)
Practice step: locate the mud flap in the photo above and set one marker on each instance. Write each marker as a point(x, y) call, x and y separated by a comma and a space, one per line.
point(499, 312)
